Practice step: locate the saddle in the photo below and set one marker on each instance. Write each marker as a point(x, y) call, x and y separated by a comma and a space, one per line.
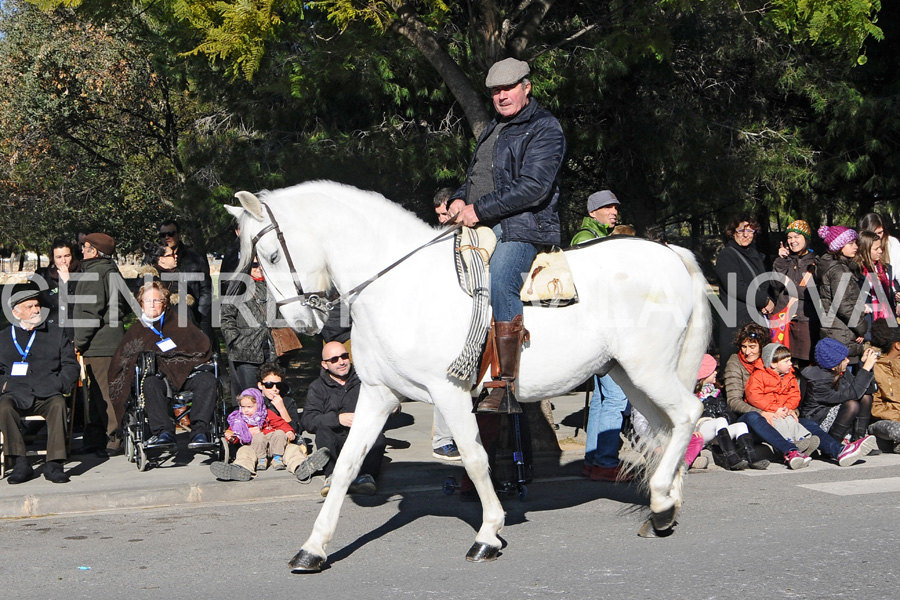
point(549, 282)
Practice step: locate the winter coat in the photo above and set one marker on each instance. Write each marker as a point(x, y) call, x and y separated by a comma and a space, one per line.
point(794, 267)
point(192, 349)
point(326, 399)
point(273, 423)
point(886, 399)
point(97, 303)
point(590, 230)
point(830, 271)
point(527, 160)
point(190, 261)
point(60, 314)
point(768, 390)
point(736, 267)
point(248, 337)
point(821, 394)
point(736, 374)
point(52, 368)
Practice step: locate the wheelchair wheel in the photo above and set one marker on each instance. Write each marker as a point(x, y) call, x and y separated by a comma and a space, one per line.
point(225, 451)
point(140, 459)
point(129, 445)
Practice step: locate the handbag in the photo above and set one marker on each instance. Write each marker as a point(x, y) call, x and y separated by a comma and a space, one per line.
point(285, 340)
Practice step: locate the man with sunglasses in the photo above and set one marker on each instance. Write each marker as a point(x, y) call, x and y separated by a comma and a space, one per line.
point(328, 414)
point(196, 267)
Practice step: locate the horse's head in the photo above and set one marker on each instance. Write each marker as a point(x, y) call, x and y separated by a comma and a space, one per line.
point(293, 265)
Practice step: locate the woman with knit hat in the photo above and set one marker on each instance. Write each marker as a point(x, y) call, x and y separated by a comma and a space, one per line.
point(738, 264)
point(798, 265)
point(839, 401)
point(837, 277)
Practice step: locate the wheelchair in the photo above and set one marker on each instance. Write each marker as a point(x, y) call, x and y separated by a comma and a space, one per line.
point(136, 429)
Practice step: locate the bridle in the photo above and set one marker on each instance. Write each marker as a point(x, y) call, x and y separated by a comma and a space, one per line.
point(316, 300)
point(320, 300)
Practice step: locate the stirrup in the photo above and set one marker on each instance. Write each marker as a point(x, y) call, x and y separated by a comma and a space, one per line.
point(506, 405)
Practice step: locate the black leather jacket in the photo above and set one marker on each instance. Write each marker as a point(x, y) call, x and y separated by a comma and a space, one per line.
point(527, 159)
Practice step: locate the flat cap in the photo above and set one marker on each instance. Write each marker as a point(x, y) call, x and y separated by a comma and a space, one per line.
point(601, 199)
point(506, 72)
point(102, 242)
point(23, 292)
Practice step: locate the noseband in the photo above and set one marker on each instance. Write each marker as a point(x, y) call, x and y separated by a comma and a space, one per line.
point(315, 300)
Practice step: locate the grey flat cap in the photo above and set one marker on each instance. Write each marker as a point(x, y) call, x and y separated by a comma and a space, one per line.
point(506, 72)
point(601, 199)
point(23, 292)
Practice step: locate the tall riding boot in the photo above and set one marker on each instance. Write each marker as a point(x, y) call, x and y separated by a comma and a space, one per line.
point(839, 432)
point(498, 396)
point(748, 449)
point(733, 461)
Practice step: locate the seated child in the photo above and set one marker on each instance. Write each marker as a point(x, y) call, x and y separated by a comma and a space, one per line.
point(774, 389)
point(262, 433)
point(734, 440)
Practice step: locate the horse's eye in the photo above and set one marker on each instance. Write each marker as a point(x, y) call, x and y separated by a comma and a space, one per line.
point(273, 258)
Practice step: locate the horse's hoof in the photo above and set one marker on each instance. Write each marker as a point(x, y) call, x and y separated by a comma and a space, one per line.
point(480, 552)
point(305, 562)
point(647, 530)
point(664, 520)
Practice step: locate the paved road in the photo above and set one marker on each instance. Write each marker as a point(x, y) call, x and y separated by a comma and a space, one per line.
point(824, 532)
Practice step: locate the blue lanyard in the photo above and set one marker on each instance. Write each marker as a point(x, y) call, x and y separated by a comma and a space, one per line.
point(158, 331)
point(12, 331)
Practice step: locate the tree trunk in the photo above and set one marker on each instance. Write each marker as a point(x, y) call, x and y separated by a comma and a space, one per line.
point(410, 26)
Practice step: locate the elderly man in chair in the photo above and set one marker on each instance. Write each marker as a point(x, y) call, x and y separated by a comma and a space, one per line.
point(37, 367)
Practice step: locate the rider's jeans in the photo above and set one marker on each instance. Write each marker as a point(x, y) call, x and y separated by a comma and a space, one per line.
point(601, 448)
point(509, 266)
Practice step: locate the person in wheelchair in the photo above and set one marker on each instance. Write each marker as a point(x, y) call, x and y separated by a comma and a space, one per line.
point(183, 355)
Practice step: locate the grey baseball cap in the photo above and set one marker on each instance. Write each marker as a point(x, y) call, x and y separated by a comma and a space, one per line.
point(506, 72)
point(601, 199)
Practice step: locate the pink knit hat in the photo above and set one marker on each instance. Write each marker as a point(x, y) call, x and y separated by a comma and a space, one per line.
point(707, 366)
point(837, 236)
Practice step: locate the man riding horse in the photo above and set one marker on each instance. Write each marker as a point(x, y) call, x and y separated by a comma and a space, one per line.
point(512, 185)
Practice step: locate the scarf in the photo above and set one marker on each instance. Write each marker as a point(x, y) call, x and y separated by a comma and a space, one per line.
point(240, 423)
point(879, 277)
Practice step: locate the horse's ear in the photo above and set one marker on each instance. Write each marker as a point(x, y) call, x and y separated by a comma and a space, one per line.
point(251, 204)
point(234, 211)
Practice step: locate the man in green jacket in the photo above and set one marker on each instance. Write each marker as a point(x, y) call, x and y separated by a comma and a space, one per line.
point(98, 330)
point(601, 448)
point(603, 208)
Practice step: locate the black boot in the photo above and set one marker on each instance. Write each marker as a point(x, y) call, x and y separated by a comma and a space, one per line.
point(498, 396)
point(53, 471)
point(733, 461)
point(889, 431)
point(748, 449)
point(22, 472)
point(860, 430)
point(839, 432)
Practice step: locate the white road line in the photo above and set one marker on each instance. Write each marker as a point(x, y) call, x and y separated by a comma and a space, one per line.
point(857, 487)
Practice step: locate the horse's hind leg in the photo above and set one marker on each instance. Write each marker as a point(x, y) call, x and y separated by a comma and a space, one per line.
point(456, 412)
point(673, 411)
point(372, 410)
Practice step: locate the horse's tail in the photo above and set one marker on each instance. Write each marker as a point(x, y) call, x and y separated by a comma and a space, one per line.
point(699, 328)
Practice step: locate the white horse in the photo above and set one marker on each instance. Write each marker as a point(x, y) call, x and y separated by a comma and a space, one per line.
point(643, 315)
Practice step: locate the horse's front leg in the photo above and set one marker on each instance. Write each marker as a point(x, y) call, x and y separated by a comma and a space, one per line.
point(455, 408)
point(372, 410)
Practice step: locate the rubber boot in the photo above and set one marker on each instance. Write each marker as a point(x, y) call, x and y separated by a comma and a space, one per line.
point(498, 396)
point(748, 449)
point(733, 461)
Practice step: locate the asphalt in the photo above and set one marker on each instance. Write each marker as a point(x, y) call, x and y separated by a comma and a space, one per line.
point(185, 479)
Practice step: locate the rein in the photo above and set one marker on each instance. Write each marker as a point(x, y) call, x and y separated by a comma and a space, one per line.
point(320, 300)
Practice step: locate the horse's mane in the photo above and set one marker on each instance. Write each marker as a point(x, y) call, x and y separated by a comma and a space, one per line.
point(381, 214)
